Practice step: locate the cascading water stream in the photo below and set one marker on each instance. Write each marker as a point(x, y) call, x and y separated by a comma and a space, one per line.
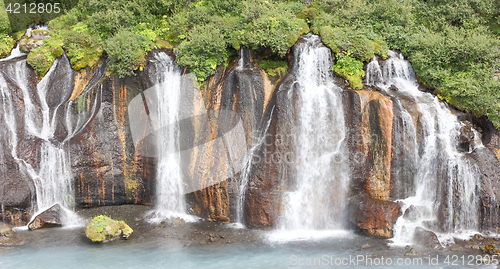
point(164, 103)
point(53, 179)
point(317, 202)
point(446, 182)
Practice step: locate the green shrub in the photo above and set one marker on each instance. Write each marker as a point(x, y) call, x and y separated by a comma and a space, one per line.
point(459, 64)
point(83, 48)
point(270, 26)
point(126, 51)
point(42, 58)
point(4, 20)
point(203, 51)
point(6, 44)
point(350, 69)
point(273, 68)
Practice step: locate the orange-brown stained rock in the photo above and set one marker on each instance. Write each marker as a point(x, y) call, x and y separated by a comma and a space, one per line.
point(82, 79)
point(497, 153)
point(375, 142)
point(494, 143)
point(241, 91)
point(375, 217)
point(271, 170)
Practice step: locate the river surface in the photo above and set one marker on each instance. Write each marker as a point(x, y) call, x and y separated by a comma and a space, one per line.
point(190, 247)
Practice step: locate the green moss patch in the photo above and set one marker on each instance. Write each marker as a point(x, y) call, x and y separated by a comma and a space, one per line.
point(104, 229)
point(273, 68)
point(42, 58)
point(350, 69)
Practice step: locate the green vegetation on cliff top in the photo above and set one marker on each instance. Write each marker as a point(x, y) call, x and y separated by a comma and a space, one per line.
point(454, 45)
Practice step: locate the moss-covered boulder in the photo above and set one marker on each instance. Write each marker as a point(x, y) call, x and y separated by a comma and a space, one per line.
point(105, 229)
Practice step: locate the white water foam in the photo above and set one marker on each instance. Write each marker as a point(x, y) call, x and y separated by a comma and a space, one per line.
point(53, 179)
point(165, 111)
point(315, 208)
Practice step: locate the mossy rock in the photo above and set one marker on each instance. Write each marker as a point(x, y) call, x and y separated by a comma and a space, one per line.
point(104, 229)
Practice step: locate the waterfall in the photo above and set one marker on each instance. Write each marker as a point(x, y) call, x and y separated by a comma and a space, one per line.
point(318, 199)
point(53, 179)
point(164, 101)
point(446, 183)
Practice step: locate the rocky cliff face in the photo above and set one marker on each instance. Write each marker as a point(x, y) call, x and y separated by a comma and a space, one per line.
point(107, 167)
point(234, 98)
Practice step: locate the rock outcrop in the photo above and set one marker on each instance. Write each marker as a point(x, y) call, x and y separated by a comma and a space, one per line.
point(235, 99)
point(369, 120)
point(489, 188)
point(48, 218)
point(33, 39)
point(426, 238)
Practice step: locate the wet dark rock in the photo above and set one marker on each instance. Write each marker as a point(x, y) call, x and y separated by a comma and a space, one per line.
point(369, 119)
point(48, 218)
point(261, 209)
point(422, 88)
point(403, 162)
point(131, 214)
point(114, 174)
point(478, 237)
point(466, 137)
point(393, 87)
point(489, 190)
point(374, 217)
point(426, 238)
point(16, 189)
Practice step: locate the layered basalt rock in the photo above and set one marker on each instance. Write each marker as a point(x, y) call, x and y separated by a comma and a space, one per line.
point(239, 103)
point(369, 117)
point(374, 217)
point(48, 218)
point(108, 168)
point(272, 164)
point(235, 99)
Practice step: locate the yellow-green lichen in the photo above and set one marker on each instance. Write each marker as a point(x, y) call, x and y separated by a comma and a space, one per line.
point(103, 228)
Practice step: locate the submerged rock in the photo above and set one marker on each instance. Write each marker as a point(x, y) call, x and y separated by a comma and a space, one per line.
point(375, 217)
point(426, 238)
point(105, 229)
point(48, 218)
point(412, 253)
point(411, 213)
